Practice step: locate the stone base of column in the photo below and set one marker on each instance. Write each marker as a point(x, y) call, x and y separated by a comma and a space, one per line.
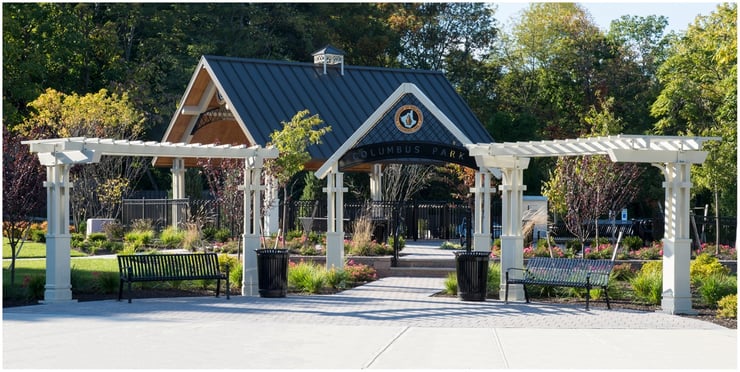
point(516, 291)
point(676, 305)
point(512, 256)
point(59, 294)
point(334, 250)
point(250, 278)
point(250, 285)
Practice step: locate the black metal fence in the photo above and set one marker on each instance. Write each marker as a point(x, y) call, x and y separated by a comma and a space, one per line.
point(415, 220)
point(159, 211)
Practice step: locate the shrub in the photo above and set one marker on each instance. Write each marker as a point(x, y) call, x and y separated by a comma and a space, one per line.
point(648, 283)
point(573, 245)
point(336, 279)
point(105, 282)
point(716, 286)
point(113, 230)
point(632, 243)
point(307, 277)
point(172, 237)
point(704, 266)
point(97, 237)
point(450, 284)
point(38, 235)
point(382, 249)
point(227, 263)
point(77, 240)
point(401, 241)
point(357, 272)
point(494, 278)
point(727, 307)
point(142, 224)
point(222, 235)
point(603, 251)
point(235, 277)
point(34, 286)
point(653, 252)
point(450, 246)
point(622, 272)
point(141, 237)
point(209, 233)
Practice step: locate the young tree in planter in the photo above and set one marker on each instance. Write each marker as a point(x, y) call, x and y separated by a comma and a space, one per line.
point(23, 178)
point(292, 143)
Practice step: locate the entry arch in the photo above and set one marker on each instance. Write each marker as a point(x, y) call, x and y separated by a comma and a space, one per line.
point(407, 127)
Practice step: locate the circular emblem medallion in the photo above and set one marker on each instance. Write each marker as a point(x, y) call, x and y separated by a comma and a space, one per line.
point(409, 119)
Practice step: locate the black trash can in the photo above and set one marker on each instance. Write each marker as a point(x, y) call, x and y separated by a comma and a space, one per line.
point(472, 275)
point(272, 272)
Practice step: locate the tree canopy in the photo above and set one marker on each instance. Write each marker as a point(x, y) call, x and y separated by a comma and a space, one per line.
point(541, 79)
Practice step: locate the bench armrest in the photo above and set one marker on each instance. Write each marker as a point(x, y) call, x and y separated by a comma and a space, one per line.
point(516, 269)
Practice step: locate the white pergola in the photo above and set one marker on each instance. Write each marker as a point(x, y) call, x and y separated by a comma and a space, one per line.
point(60, 154)
point(672, 155)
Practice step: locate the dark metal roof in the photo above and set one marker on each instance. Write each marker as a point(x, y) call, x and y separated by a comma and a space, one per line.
point(264, 93)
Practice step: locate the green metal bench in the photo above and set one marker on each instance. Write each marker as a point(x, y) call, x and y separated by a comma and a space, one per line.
point(563, 272)
point(165, 267)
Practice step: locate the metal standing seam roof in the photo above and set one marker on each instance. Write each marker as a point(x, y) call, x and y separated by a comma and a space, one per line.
point(264, 93)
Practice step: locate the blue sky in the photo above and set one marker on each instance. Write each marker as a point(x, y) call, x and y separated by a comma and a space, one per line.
point(679, 14)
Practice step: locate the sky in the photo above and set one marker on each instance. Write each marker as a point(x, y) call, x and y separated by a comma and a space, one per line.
point(679, 14)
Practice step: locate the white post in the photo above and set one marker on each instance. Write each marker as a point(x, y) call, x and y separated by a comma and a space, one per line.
point(272, 207)
point(58, 286)
point(376, 190)
point(251, 238)
point(178, 188)
point(335, 220)
point(482, 211)
point(676, 239)
point(512, 241)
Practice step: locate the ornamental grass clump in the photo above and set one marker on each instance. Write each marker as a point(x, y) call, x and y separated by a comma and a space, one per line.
point(172, 237)
point(648, 283)
point(306, 277)
point(714, 287)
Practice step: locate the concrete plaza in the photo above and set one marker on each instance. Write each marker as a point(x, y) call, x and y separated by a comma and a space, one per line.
point(393, 323)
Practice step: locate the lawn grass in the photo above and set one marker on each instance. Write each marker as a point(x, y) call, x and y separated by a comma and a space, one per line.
point(83, 267)
point(32, 250)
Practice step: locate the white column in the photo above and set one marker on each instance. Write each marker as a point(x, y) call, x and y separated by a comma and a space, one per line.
point(272, 207)
point(482, 211)
point(251, 238)
point(376, 183)
point(512, 241)
point(178, 188)
point(676, 239)
point(58, 286)
point(335, 220)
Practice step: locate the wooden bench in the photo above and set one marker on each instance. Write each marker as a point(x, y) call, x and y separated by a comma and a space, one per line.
point(563, 272)
point(164, 267)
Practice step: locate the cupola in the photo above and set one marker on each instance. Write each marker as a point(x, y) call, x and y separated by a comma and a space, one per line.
point(329, 55)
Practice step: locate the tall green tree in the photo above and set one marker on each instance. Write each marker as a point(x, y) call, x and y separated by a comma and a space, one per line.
point(699, 97)
point(98, 188)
